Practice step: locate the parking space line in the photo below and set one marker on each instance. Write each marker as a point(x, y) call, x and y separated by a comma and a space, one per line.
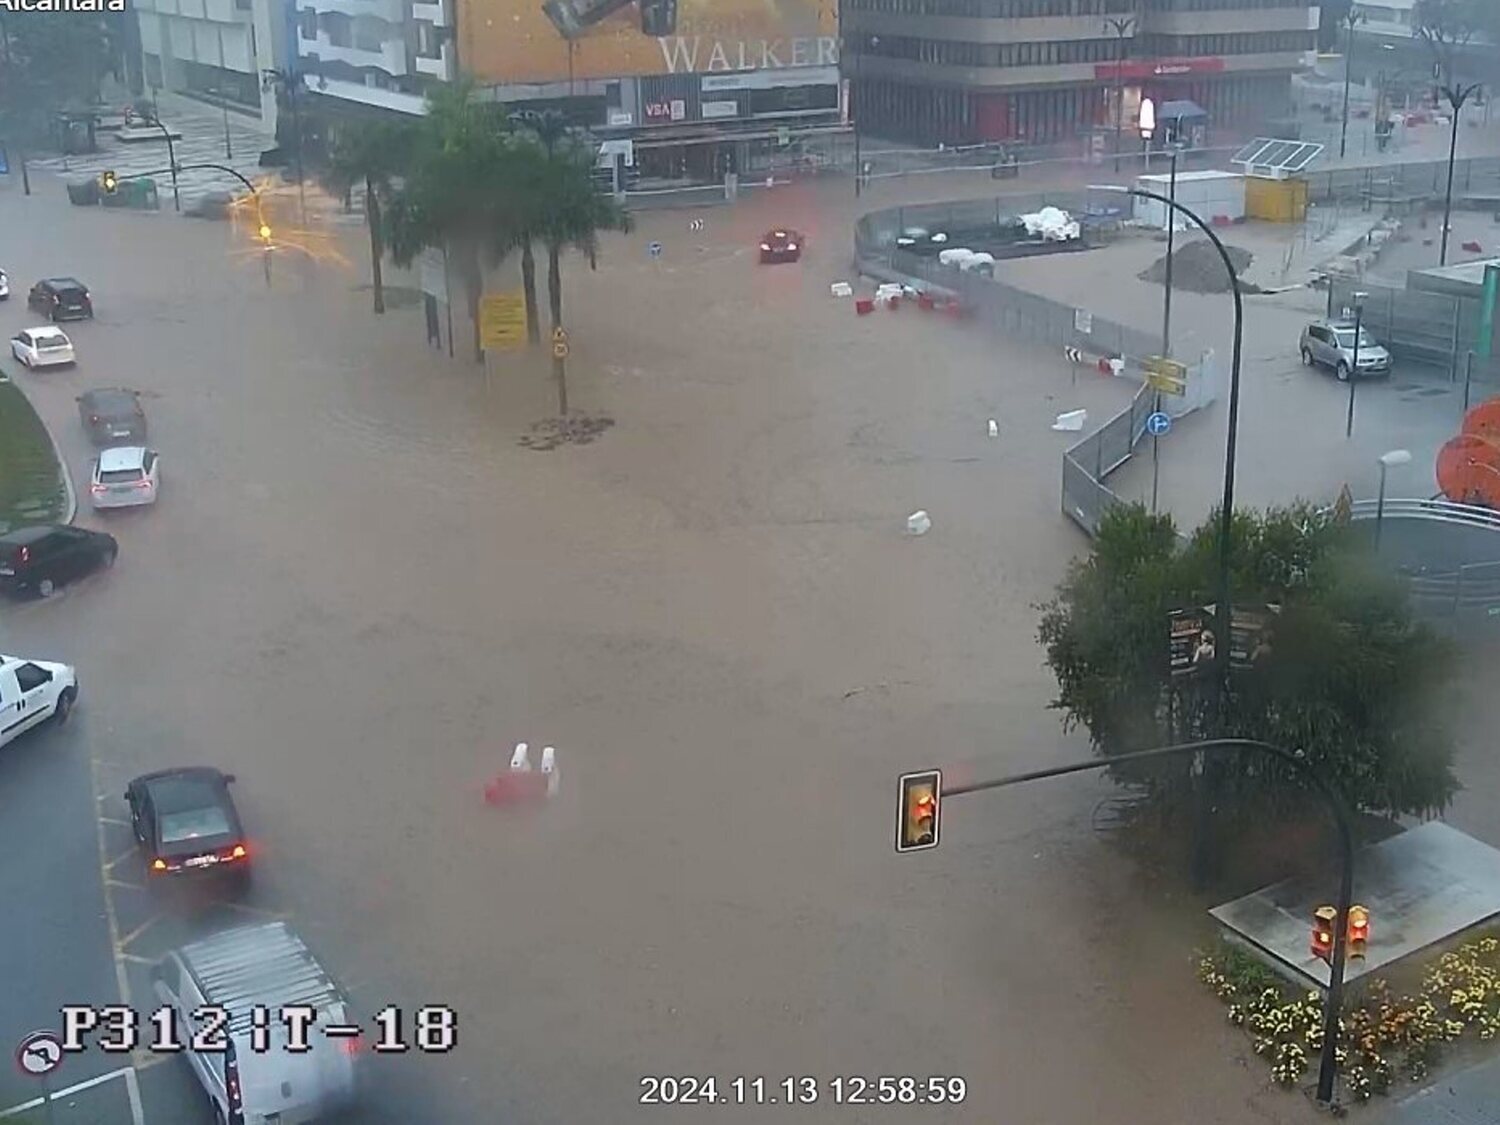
point(129, 939)
point(111, 920)
point(128, 1073)
point(109, 819)
point(145, 1060)
point(133, 1092)
point(126, 883)
point(257, 911)
point(121, 858)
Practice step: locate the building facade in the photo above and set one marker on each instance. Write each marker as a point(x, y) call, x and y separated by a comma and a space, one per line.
point(375, 54)
point(1046, 71)
point(212, 48)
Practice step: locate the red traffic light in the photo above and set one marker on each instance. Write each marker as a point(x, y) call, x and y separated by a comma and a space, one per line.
point(919, 812)
point(1324, 920)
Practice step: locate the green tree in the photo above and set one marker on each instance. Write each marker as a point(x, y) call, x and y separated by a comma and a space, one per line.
point(1448, 27)
point(460, 193)
point(374, 153)
point(1351, 680)
point(564, 209)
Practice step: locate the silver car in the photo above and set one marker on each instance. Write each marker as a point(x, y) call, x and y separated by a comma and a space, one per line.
point(1331, 344)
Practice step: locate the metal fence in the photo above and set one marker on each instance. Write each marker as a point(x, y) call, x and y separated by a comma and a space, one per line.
point(1429, 328)
point(1086, 465)
point(1396, 184)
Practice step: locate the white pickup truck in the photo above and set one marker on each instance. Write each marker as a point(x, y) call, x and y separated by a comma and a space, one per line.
point(31, 691)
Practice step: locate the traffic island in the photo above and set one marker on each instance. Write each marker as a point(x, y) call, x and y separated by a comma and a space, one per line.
point(1429, 977)
point(33, 485)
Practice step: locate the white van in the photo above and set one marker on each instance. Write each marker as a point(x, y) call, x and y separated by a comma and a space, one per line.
point(254, 973)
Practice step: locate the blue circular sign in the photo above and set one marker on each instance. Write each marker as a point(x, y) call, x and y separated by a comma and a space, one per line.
point(1158, 423)
point(654, 249)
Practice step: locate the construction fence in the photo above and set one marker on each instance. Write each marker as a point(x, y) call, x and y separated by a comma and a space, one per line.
point(1398, 184)
point(1429, 328)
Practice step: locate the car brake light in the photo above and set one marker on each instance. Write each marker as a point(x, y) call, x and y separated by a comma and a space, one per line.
point(765, 245)
point(25, 554)
point(158, 865)
point(351, 1046)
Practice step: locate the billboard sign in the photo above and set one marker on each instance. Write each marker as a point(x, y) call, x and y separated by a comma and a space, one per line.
point(532, 41)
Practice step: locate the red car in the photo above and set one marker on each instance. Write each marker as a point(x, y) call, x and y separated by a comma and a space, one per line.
point(780, 246)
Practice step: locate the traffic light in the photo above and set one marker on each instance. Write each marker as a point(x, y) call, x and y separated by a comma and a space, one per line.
point(1325, 918)
point(109, 182)
point(919, 813)
point(265, 232)
point(1359, 930)
point(659, 18)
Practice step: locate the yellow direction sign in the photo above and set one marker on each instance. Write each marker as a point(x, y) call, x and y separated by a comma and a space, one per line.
point(559, 335)
point(502, 320)
point(1166, 375)
point(560, 349)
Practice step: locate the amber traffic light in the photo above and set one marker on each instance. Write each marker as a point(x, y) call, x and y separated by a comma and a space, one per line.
point(1359, 930)
point(109, 182)
point(1325, 918)
point(919, 813)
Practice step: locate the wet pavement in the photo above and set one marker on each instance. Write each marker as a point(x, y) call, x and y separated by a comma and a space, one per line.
point(359, 590)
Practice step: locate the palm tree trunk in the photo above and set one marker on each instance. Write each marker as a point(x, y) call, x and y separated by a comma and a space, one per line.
point(473, 290)
point(372, 216)
point(554, 300)
point(528, 286)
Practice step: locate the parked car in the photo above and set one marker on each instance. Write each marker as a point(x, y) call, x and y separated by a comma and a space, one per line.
point(42, 347)
point(4, 286)
point(261, 966)
point(1330, 343)
point(112, 416)
point(780, 246)
point(61, 298)
point(33, 691)
point(38, 560)
point(126, 476)
point(186, 821)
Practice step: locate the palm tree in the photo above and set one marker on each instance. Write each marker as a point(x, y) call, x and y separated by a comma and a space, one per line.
point(567, 210)
point(375, 152)
point(460, 192)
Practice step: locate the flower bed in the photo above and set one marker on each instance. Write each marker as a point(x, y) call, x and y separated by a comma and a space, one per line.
point(1385, 1036)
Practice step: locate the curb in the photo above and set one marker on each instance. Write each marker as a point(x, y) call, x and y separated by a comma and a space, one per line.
point(62, 462)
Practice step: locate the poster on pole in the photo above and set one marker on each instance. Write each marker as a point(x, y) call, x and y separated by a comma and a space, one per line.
point(502, 321)
point(1250, 635)
point(1190, 641)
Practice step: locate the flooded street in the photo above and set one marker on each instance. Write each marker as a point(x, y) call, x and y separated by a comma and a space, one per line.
point(359, 591)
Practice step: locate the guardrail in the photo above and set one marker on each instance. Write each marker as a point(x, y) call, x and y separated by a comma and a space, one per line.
point(1464, 599)
point(1470, 514)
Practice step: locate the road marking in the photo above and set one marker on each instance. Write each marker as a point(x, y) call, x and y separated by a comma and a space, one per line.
point(129, 939)
point(110, 918)
point(133, 1092)
point(134, 960)
point(110, 819)
point(259, 912)
point(128, 1073)
point(126, 883)
point(145, 1060)
point(121, 858)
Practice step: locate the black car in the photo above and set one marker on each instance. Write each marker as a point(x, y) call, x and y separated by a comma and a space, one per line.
point(186, 822)
point(113, 416)
point(61, 298)
point(781, 246)
point(37, 560)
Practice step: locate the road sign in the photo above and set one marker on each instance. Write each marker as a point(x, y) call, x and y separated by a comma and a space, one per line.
point(559, 335)
point(1073, 354)
point(654, 249)
point(560, 349)
point(1083, 321)
point(502, 320)
point(696, 224)
point(1158, 423)
point(1166, 375)
point(39, 1054)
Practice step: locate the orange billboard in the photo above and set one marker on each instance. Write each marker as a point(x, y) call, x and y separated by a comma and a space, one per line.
point(532, 41)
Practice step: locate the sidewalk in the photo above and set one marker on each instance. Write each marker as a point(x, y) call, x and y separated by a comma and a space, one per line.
point(1470, 1097)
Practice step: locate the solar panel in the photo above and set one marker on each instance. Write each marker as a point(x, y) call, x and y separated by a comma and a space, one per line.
point(1276, 159)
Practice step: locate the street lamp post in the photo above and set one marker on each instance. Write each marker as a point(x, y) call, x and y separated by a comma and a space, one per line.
point(171, 162)
point(1121, 26)
point(1388, 460)
point(224, 108)
point(1351, 18)
point(1231, 441)
point(288, 81)
point(1457, 96)
point(854, 99)
point(1333, 1000)
point(1359, 328)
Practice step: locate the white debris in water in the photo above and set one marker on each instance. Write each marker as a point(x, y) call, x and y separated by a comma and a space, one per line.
point(1052, 225)
point(1071, 420)
point(918, 523)
point(841, 289)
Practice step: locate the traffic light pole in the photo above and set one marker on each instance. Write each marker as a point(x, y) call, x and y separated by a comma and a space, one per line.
point(1334, 998)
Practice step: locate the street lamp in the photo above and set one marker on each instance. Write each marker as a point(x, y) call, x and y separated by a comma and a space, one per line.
point(1121, 26)
point(854, 98)
point(1148, 126)
point(171, 161)
point(1352, 17)
point(1387, 461)
point(224, 107)
point(1231, 441)
point(1359, 325)
point(1457, 96)
point(289, 81)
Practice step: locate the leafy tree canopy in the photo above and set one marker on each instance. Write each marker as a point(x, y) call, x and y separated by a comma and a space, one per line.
point(1351, 680)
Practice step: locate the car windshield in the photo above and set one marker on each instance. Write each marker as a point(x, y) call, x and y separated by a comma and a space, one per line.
point(51, 343)
point(191, 824)
point(120, 476)
point(1346, 338)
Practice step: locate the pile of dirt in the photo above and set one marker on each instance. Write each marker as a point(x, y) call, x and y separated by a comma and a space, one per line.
point(576, 429)
point(1197, 268)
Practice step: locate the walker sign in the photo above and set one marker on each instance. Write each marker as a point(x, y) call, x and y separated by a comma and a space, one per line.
point(528, 41)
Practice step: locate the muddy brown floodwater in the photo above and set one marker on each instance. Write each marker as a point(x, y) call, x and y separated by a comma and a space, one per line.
point(359, 591)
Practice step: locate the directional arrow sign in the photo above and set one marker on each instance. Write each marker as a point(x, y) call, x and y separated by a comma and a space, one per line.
point(39, 1054)
point(1158, 423)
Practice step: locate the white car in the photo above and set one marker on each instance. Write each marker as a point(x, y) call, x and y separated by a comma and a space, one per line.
point(42, 347)
point(125, 477)
point(31, 692)
point(4, 286)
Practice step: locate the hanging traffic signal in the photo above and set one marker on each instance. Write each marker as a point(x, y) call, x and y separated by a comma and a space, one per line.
point(918, 816)
point(109, 182)
point(265, 232)
point(1325, 918)
point(1359, 930)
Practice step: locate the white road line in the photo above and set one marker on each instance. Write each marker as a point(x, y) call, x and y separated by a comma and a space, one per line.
point(127, 1072)
point(113, 922)
point(133, 1092)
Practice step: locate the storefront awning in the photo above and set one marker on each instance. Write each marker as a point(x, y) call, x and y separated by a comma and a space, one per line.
point(1176, 111)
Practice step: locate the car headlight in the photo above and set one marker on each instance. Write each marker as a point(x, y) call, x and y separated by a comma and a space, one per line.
point(791, 246)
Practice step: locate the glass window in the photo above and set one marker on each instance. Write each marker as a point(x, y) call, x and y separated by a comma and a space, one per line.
point(192, 824)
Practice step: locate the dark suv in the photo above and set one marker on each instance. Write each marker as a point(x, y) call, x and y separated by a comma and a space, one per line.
point(37, 560)
point(112, 416)
point(61, 298)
